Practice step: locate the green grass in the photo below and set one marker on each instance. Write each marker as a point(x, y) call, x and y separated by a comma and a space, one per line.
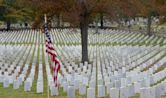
point(136, 96)
point(163, 96)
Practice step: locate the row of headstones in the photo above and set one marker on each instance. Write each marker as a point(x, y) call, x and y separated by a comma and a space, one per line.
point(69, 54)
point(23, 77)
point(99, 70)
point(127, 79)
point(142, 38)
point(111, 34)
point(79, 81)
point(20, 36)
point(29, 80)
point(12, 68)
point(40, 79)
point(7, 51)
point(157, 65)
point(66, 54)
point(81, 68)
point(63, 36)
point(123, 92)
point(24, 37)
point(112, 64)
point(155, 58)
point(130, 74)
point(7, 80)
point(146, 57)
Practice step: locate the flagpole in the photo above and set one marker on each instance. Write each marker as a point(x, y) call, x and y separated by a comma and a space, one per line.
point(45, 18)
point(45, 22)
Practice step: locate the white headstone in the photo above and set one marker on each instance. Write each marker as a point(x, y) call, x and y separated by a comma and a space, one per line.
point(27, 86)
point(71, 92)
point(123, 92)
point(16, 84)
point(137, 86)
point(92, 84)
point(54, 90)
point(91, 93)
point(131, 91)
point(76, 84)
point(101, 91)
point(1, 78)
point(114, 93)
point(82, 89)
point(152, 92)
point(6, 83)
point(144, 93)
point(108, 86)
point(39, 87)
point(100, 82)
point(65, 86)
point(123, 82)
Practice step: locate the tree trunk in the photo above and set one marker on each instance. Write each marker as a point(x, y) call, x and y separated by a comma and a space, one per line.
point(101, 21)
point(84, 38)
point(84, 21)
point(96, 25)
point(129, 27)
point(8, 23)
point(58, 20)
point(149, 22)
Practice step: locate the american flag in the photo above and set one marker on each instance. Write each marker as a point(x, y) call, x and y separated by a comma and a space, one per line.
point(52, 53)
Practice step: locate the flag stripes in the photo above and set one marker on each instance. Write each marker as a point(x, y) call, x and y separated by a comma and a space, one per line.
point(52, 53)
